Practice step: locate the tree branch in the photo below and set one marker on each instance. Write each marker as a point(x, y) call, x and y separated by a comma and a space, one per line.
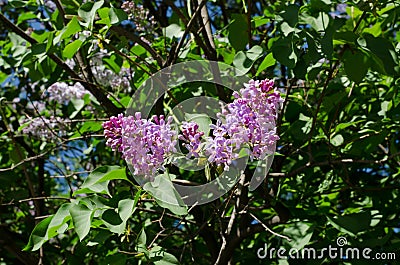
point(92, 88)
point(173, 57)
point(119, 31)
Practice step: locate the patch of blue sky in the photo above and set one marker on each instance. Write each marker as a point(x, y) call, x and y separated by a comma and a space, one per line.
point(66, 161)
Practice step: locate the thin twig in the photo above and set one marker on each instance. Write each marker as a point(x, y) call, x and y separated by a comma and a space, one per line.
point(123, 32)
point(189, 25)
point(33, 199)
point(268, 229)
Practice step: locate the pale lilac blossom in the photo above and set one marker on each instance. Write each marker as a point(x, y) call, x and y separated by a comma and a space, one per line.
point(140, 16)
point(37, 106)
point(119, 82)
point(62, 93)
point(46, 128)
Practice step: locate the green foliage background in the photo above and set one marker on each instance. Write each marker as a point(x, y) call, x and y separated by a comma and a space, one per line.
point(336, 171)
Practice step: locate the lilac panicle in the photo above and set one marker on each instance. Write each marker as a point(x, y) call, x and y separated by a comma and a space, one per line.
point(248, 121)
point(62, 92)
point(143, 143)
point(46, 128)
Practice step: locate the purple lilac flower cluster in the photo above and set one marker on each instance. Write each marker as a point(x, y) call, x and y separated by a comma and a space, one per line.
point(140, 16)
point(144, 143)
point(191, 136)
point(62, 92)
point(248, 121)
point(46, 128)
point(119, 82)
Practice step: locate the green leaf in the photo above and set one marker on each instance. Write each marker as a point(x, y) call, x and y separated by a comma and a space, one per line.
point(39, 49)
point(384, 50)
point(25, 16)
point(111, 217)
point(104, 14)
point(245, 60)
point(115, 259)
point(238, 35)
point(300, 234)
point(100, 188)
point(375, 30)
point(98, 179)
point(173, 31)
point(116, 221)
point(126, 208)
point(367, 144)
point(78, 105)
point(167, 259)
point(113, 221)
point(259, 21)
point(117, 15)
point(320, 5)
point(38, 235)
point(327, 43)
point(327, 39)
point(160, 257)
point(287, 29)
point(113, 173)
point(91, 126)
point(99, 238)
point(3, 76)
point(165, 194)
point(18, 3)
point(241, 62)
point(70, 29)
point(104, 173)
point(88, 12)
point(114, 62)
point(81, 218)
point(283, 51)
point(59, 224)
point(337, 140)
point(142, 239)
point(16, 157)
point(268, 61)
point(356, 65)
point(254, 53)
point(357, 222)
point(319, 23)
point(346, 36)
point(70, 50)
point(291, 15)
point(300, 70)
point(50, 41)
